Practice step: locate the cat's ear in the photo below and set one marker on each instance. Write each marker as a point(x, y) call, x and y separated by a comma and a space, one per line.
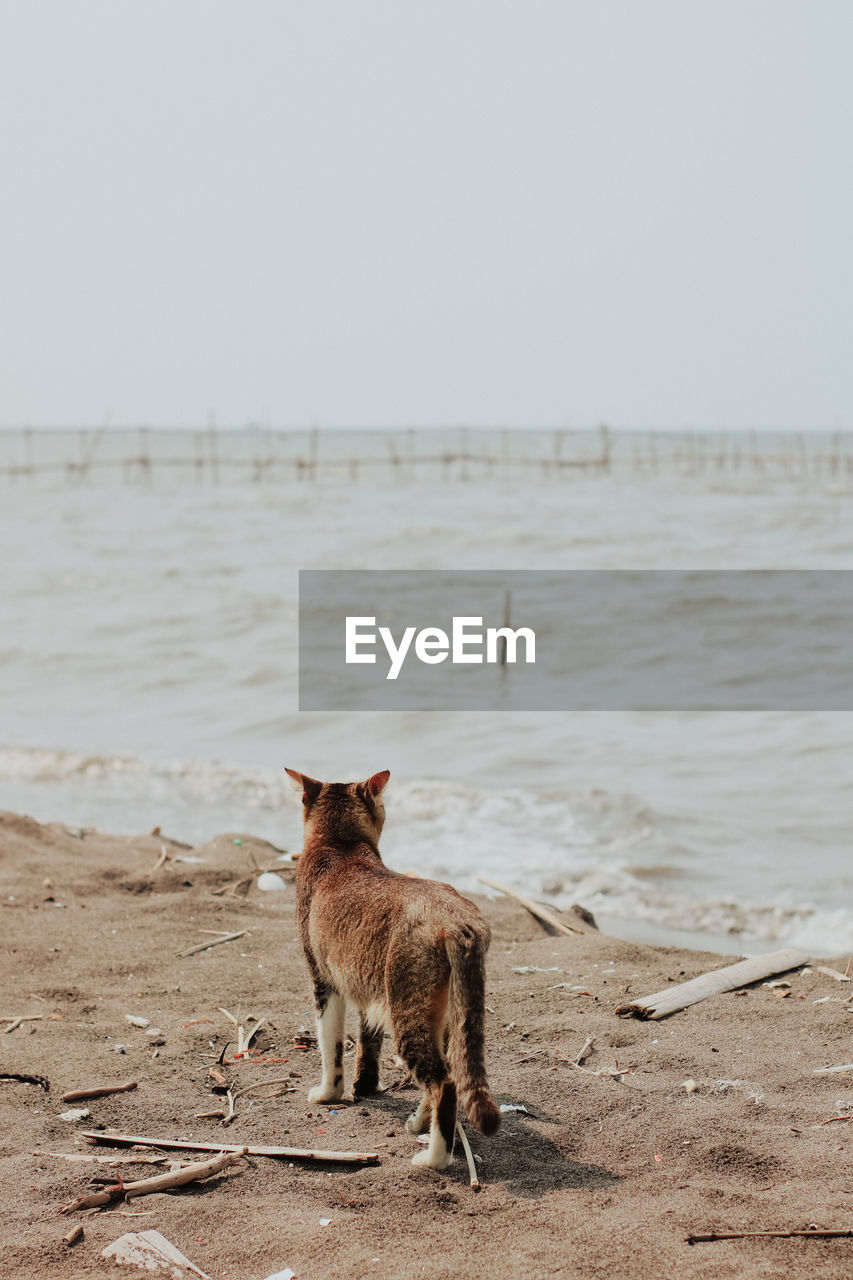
point(309, 787)
point(377, 784)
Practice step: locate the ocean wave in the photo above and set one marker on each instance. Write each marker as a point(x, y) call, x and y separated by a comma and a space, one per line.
point(609, 851)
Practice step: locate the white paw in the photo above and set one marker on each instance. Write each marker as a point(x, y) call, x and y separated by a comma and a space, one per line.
point(427, 1160)
point(414, 1126)
point(321, 1094)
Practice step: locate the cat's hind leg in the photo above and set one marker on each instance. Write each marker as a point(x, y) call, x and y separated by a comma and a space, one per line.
point(367, 1059)
point(331, 1007)
point(442, 1129)
point(437, 1109)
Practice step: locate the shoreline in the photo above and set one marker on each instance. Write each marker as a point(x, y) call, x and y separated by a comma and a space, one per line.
point(610, 1167)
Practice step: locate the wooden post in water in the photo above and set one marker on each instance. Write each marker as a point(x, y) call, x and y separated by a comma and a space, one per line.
point(502, 652)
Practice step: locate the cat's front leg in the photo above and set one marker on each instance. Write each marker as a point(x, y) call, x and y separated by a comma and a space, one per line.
point(331, 1007)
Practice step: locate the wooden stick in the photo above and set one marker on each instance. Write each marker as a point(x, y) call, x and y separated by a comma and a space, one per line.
point(541, 913)
point(711, 1236)
point(714, 983)
point(75, 1234)
point(15, 1021)
point(214, 942)
point(822, 1071)
point(98, 1091)
point(196, 1172)
point(281, 1153)
point(472, 1168)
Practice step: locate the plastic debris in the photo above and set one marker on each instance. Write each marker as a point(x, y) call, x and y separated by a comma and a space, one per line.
point(270, 882)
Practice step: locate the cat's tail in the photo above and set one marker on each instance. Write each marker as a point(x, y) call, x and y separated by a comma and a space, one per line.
point(466, 951)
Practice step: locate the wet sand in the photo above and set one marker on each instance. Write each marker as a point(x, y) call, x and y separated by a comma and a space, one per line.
point(602, 1175)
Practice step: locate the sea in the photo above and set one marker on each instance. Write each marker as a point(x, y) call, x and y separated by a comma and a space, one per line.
point(148, 661)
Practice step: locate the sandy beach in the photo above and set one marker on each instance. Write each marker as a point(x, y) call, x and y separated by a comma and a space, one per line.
point(601, 1174)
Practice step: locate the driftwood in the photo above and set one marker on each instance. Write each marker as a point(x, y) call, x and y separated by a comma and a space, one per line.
point(98, 1091)
point(466, 1146)
point(196, 1172)
point(151, 1251)
point(280, 1153)
point(214, 942)
point(712, 984)
point(540, 912)
point(711, 1236)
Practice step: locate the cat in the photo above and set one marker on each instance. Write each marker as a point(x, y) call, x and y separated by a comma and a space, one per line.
point(410, 953)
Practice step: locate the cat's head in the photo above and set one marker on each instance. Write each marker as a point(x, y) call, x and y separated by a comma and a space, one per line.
point(342, 810)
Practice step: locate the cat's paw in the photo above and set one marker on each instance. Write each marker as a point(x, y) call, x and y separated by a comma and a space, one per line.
point(416, 1125)
point(425, 1159)
point(321, 1094)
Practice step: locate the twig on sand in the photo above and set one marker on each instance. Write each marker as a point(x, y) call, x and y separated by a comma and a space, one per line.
point(711, 1236)
point(15, 1020)
point(196, 1172)
point(822, 1071)
point(833, 1120)
point(75, 1234)
point(214, 942)
point(164, 853)
point(244, 1037)
point(98, 1091)
point(540, 912)
point(466, 1146)
point(281, 1153)
point(42, 1081)
point(584, 1051)
point(714, 983)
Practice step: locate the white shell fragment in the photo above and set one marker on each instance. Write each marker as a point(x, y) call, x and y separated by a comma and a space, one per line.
point(269, 882)
point(76, 1113)
point(135, 1020)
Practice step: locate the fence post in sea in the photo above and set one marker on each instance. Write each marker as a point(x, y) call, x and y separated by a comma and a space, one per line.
point(502, 651)
point(213, 447)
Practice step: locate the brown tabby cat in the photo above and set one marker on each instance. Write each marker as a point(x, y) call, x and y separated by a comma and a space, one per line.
point(409, 953)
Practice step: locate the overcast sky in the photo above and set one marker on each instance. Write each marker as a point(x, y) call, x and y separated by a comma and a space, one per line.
point(425, 211)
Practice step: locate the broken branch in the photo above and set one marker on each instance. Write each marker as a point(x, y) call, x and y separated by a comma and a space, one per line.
point(540, 912)
point(196, 1172)
point(214, 942)
point(98, 1091)
point(282, 1153)
point(466, 1146)
point(712, 984)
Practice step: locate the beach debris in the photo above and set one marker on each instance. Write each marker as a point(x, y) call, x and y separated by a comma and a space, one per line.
point(198, 1171)
point(514, 1106)
point(834, 973)
point(536, 968)
point(151, 1251)
point(214, 942)
point(466, 1147)
point(76, 1113)
point(541, 913)
point(98, 1091)
point(17, 1020)
point(690, 1086)
point(136, 1020)
point(270, 882)
point(23, 1078)
point(164, 854)
point(821, 1071)
point(286, 1274)
point(713, 983)
point(711, 1236)
point(325, 1222)
point(234, 888)
point(244, 1036)
point(277, 1153)
point(75, 1234)
point(119, 1048)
